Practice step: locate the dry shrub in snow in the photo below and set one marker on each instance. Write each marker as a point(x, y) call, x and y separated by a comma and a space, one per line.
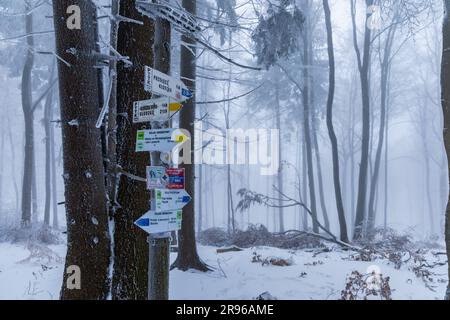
point(40, 253)
point(213, 237)
point(388, 245)
point(271, 261)
point(258, 235)
point(423, 269)
point(37, 233)
point(255, 235)
point(366, 286)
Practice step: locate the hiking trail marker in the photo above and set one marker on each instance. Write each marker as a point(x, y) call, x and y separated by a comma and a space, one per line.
point(180, 19)
point(162, 84)
point(165, 178)
point(160, 140)
point(154, 110)
point(160, 222)
point(167, 200)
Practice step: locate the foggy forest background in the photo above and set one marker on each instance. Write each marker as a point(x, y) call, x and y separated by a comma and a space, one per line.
point(407, 182)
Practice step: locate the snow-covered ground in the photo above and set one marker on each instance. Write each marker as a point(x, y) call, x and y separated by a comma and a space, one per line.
point(318, 278)
point(234, 275)
point(27, 279)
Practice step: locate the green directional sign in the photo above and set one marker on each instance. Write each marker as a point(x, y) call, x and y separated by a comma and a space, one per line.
point(162, 140)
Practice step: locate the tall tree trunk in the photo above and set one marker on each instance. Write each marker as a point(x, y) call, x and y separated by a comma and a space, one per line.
point(385, 78)
point(12, 146)
point(443, 185)
point(112, 179)
point(227, 109)
point(386, 172)
point(34, 200)
point(309, 160)
point(213, 210)
point(322, 201)
point(230, 203)
point(352, 167)
point(200, 200)
point(187, 253)
point(445, 83)
point(430, 210)
point(204, 214)
point(307, 83)
point(27, 106)
point(345, 182)
point(363, 66)
point(331, 133)
point(316, 149)
point(101, 102)
point(48, 155)
point(130, 279)
point(280, 159)
point(305, 184)
point(53, 172)
point(202, 178)
point(86, 212)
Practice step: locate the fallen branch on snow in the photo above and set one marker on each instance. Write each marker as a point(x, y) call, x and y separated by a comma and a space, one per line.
point(231, 249)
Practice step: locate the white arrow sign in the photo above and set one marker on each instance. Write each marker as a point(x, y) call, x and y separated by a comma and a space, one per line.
point(162, 84)
point(154, 110)
point(167, 200)
point(160, 222)
point(163, 140)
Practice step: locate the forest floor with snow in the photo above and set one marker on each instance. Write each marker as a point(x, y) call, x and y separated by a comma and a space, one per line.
point(307, 275)
point(35, 272)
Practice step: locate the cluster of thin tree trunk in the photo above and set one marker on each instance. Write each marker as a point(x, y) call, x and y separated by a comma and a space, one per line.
point(27, 202)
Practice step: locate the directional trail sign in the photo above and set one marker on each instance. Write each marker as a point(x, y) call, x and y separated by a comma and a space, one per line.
point(163, 140)
point(162, 84)
point(179, 18)
point(154, 110)
point(160, 222)
point(165, 178)
point(167, 200)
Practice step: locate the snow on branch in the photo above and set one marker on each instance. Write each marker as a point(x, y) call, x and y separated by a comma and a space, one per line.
point(31, 34)
point(25, 13)
point(231, 99)
point(105, 108)
point(186, 24)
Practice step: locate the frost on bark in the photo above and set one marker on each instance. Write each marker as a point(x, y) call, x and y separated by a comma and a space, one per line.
point(130, 280)
point(88, 245)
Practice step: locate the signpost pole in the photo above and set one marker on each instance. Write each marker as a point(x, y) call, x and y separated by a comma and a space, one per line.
point(159, 254)
point(166, 184)
point(158, 268)
point(159, 245)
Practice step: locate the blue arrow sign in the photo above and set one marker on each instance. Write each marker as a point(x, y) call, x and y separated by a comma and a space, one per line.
point(186, 93)
point(160, 222)
point(143, 222)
